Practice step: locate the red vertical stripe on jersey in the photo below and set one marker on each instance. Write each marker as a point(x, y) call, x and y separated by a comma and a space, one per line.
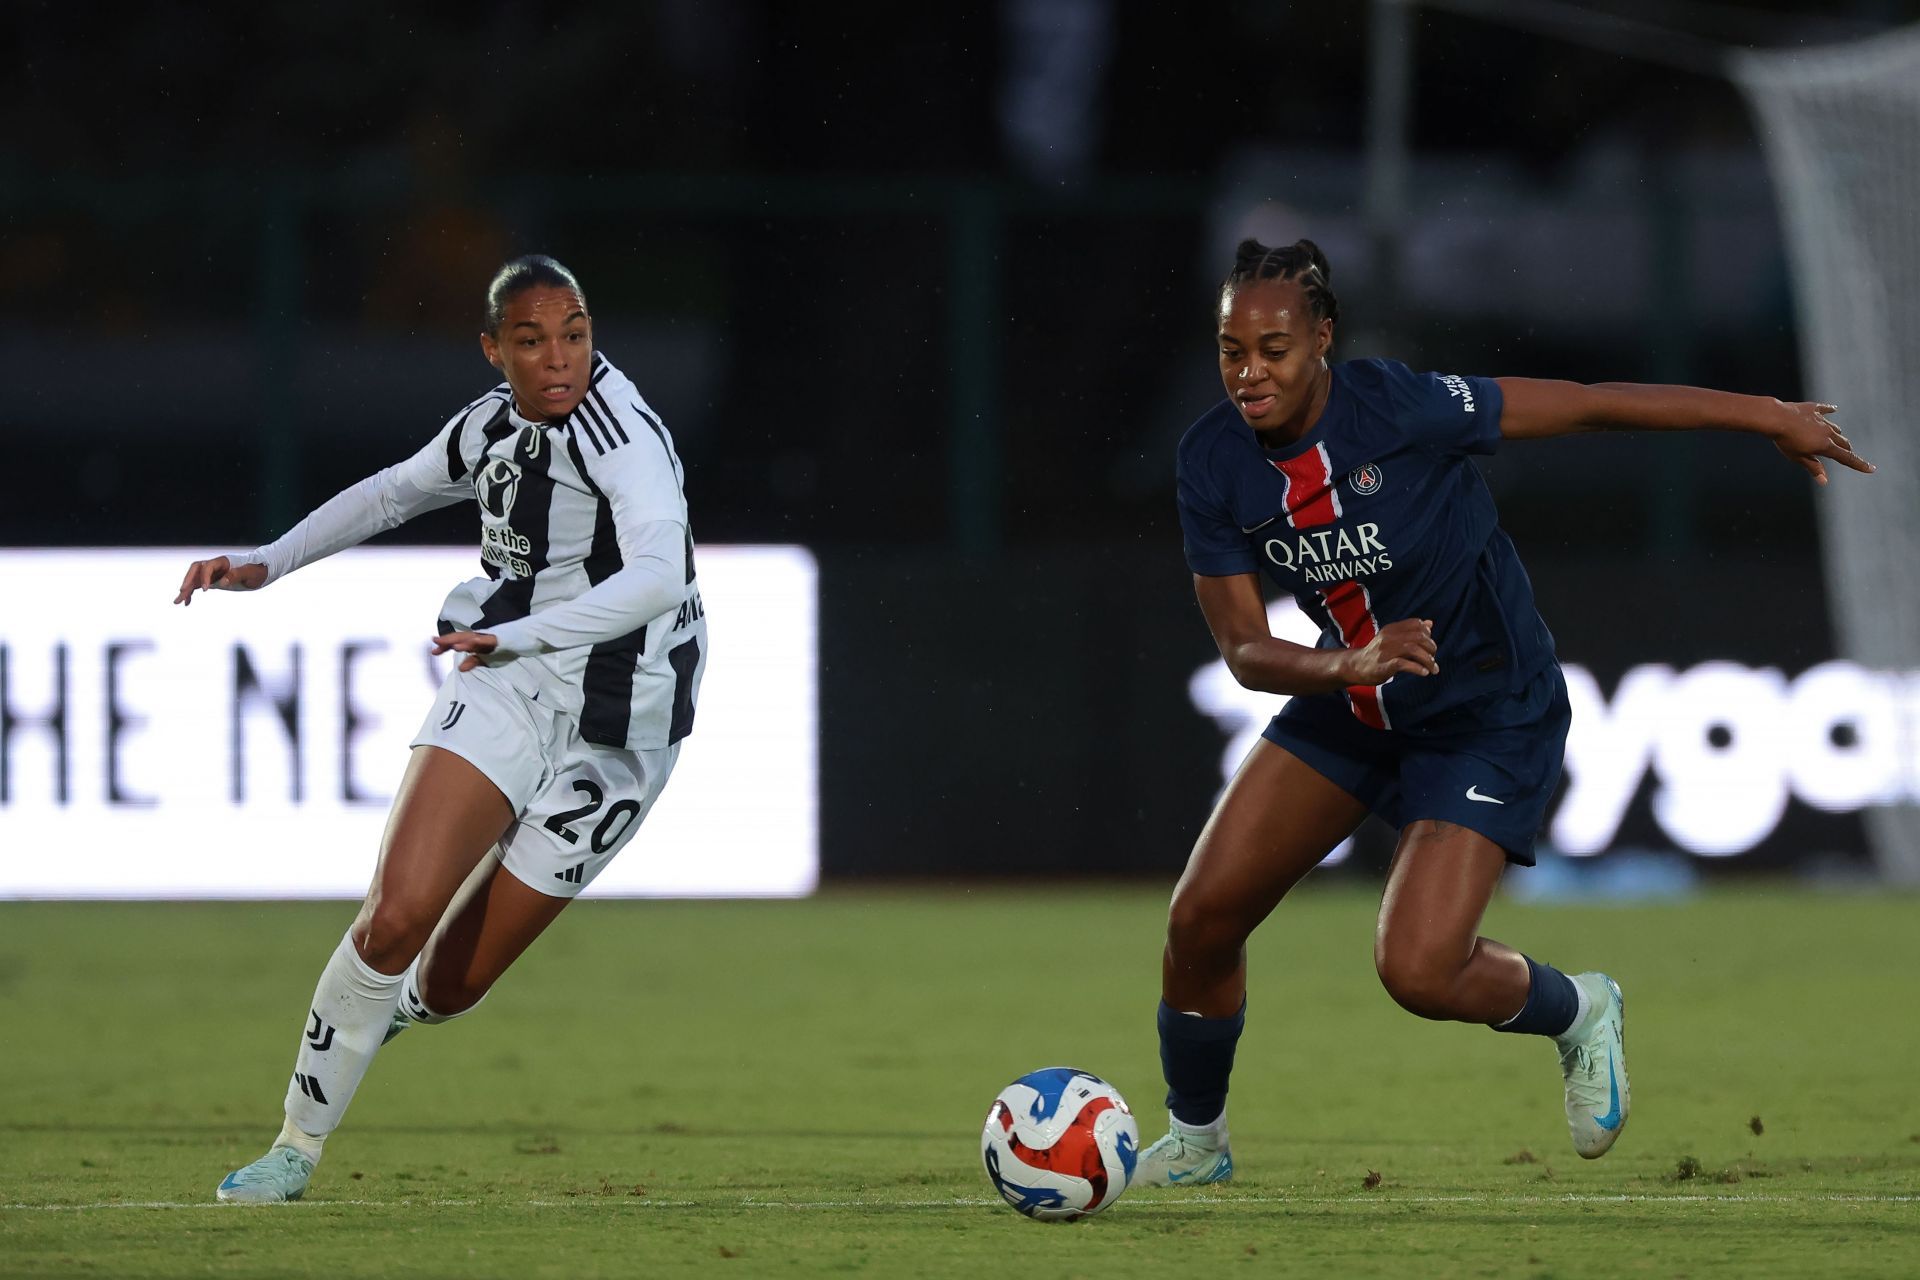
point(1309, 496)
point(1312, 500)
point(1352, 611)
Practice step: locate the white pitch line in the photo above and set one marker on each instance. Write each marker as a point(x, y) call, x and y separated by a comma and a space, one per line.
point(1381, 1201)
point(215, 1204)
point(1184, 1202)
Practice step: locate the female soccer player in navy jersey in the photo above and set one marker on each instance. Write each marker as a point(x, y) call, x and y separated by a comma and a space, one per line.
point(584, 647)
point(1433, 698)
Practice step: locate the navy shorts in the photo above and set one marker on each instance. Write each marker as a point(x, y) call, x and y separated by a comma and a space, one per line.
point(1494, 778)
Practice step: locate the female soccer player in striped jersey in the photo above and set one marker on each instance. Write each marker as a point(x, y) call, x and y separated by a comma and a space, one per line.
point(1432, 699)
point(583, 648)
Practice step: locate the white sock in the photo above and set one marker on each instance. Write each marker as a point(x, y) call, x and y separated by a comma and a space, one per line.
point(413, 1006)
point(1581, 1010)
point(352, 1008)
point(1214, 1131)
point(292, 1135)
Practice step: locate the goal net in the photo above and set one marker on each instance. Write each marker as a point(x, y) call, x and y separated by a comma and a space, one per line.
point(1841, 129)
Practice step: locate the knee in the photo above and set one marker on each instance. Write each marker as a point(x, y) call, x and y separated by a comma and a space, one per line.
point(1420, 979)
point(391, 932)
point(1199, 930)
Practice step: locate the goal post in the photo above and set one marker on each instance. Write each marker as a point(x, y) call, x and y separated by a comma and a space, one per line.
point(1840, 126)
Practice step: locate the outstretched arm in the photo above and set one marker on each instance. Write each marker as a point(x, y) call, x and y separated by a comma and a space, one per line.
point(1538, 407)
point(380, 502)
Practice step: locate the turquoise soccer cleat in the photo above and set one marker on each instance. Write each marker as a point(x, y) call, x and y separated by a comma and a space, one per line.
point(276, 1177)
point(1593, 1061)
point(1185, 1158)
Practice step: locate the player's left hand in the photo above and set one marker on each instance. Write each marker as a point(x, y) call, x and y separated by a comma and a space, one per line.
point(1805, 434)
point(475, 644)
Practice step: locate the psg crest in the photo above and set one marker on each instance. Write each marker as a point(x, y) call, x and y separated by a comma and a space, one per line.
point(1365, 479)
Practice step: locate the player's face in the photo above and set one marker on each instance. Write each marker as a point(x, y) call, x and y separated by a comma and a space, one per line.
point(1272, 353)
point(545, 347)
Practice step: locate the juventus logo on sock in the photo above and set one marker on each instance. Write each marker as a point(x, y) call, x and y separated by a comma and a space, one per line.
point(310, 1086)
point(454, 713)
point(314, 1038)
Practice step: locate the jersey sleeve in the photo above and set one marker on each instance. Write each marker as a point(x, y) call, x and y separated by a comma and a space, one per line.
point(438, 474)
point(423, 482)
point(1445, 412)
point(640, 480)
point(646, 585)
point(1214, 545)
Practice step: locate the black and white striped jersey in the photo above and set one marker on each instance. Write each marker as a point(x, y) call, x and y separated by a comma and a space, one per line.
point(588, 554)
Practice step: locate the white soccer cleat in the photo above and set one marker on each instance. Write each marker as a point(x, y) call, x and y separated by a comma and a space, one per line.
point(1185, 1157)
point(1593, 1061)
point(277, 1176)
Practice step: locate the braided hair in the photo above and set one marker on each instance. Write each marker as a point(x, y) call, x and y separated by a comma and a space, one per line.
point(1301, 261)
point(532, 271)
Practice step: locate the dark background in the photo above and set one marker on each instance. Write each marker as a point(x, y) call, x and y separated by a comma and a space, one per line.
point(897, 305)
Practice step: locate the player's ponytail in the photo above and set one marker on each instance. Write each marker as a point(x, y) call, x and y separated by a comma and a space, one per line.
point(1302, 261)
point(530, 271)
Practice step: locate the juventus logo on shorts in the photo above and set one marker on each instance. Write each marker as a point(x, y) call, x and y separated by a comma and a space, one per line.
point(454, 712)
point(314, 1038)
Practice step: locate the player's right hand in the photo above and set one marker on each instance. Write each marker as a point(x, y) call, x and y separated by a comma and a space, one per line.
point(1805, 434)
point(1405, 647)
point(220, 574)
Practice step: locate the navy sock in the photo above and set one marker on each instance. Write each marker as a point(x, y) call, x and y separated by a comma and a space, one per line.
point(1196, 1057)
point(1551, 1002)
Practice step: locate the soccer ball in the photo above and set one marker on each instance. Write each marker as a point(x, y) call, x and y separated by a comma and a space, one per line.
point(1060, 1144)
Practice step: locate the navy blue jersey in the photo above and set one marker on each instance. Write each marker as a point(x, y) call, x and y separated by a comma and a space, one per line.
point(1375, 515)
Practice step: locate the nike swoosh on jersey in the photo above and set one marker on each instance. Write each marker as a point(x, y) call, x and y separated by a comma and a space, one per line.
point(1255, 528)
point(1473, 793)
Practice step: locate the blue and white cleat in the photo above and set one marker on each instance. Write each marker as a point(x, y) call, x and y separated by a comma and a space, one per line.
point(1593, 1061)
point(278, 1176)
point(1185, 1157)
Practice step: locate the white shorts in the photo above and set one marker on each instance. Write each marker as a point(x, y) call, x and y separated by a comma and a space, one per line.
point(575, 804)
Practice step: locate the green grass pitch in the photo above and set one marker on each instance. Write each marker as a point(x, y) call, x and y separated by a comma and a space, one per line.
point(797, 1089)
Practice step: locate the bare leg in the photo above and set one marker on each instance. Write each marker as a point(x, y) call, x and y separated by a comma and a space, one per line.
point(446, 816)
point(1275, 823)
point(495, 918)
point(1427, 947)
